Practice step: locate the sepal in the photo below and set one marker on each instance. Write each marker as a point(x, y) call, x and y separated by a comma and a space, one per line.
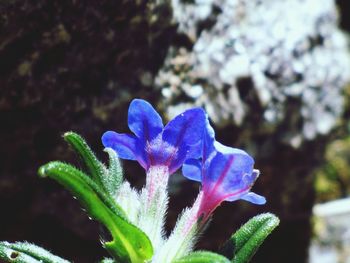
point(129, 199)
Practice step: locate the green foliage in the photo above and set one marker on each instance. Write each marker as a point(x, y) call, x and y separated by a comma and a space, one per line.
point(129, 243)
point(95, 191)
point(110, 178)
point(114, 175)
point(68, 175)
point(203, 257)
point(94, 167)
point(22, 252)
point(242, 246)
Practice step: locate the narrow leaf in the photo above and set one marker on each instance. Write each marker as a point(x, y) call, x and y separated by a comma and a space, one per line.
point(114, 177)
point(93, 166)
point(246, 241)
point(66, 170)
point(24, 252)
point(202, 257)
point(129, 244)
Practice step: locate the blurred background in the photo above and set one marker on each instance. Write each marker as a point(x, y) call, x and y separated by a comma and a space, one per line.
point(272, 75)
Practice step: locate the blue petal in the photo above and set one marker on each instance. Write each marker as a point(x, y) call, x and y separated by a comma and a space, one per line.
point(183, 135)
point(226, 172)
point(227, 150)
point(192, 169)
point(253, 198)
point(123, 144)
point(210, 145)
point(127, 146)
point(249, 179)
point(144, 121)
point(208, 140)
point(195, 151)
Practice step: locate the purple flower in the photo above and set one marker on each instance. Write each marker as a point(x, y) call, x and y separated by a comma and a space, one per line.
point(226, 174)
point(154, 145)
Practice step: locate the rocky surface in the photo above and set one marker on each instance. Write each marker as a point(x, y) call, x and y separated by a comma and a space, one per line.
point(271, 76)
point(287, 61)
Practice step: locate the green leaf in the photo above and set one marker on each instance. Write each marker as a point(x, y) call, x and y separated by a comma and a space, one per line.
point(93, 166)
point(67, 169)
point(202, 257)
point(114, 177)
point(129, 244)
point(246, 241)
point(24, 252)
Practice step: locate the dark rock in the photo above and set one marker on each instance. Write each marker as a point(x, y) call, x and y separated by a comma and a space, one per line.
point(67, 65)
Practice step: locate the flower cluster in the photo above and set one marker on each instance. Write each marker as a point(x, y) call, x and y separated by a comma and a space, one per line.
point(187, 141)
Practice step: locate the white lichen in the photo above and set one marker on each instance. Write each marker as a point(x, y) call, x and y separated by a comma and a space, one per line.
point(285, 51)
